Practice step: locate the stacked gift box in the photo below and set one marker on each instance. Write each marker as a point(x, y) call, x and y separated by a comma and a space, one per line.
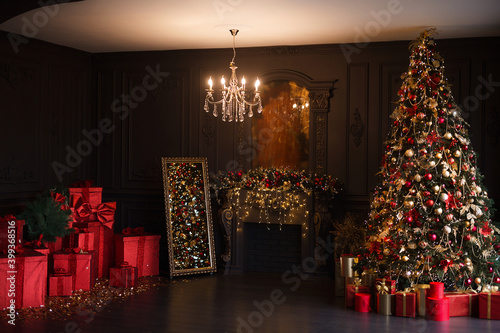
point(35, 269)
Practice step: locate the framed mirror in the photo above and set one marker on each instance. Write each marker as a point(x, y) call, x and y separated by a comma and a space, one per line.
point(188, 216)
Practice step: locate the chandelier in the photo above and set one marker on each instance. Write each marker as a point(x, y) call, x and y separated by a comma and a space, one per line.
point(234, 104)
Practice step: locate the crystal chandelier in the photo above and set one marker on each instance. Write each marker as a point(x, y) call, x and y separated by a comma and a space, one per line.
point(233, 102)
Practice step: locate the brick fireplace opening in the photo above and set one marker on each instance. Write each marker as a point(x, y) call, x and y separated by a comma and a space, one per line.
point(272, 248)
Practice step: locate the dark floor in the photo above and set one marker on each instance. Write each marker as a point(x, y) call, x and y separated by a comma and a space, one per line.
point(249, 303)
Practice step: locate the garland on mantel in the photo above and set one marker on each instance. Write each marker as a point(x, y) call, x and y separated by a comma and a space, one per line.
point(277, 190)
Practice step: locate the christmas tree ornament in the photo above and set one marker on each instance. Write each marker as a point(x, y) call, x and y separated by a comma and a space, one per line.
point(447, 229)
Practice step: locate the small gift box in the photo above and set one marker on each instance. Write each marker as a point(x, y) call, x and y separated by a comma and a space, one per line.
point(103, 245)
point(79, 264)
point(421, 291)
point(60, 283)
point(86, 192)
point(438, 309)
point(83, 239)
point(346, 263)
point(406, 304)
point(124, 276)
point(385, 304)
point(436, 290)
point(389, 286)
point(11, 231)
point(463, 303)
point(23, 280)
point(362, 302)
point(139, 249)
point(368, 278)
point(352, 289)
point(489, 305)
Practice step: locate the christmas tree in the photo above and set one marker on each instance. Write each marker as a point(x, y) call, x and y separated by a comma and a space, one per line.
point(430, 218)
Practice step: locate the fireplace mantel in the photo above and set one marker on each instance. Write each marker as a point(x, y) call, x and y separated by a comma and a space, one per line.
point(234, 215)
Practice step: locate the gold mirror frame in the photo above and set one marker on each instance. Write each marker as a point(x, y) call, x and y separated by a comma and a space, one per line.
point(191, 248)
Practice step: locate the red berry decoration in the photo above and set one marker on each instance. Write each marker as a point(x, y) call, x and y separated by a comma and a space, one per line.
point(408, 184)
point(393, 204)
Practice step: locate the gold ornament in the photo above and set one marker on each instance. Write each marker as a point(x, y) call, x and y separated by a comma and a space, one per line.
point(439, 155)
point(405, 258)
point(477, 280)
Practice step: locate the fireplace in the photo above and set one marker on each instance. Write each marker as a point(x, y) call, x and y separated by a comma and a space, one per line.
point(271, 248)
point(246, 227)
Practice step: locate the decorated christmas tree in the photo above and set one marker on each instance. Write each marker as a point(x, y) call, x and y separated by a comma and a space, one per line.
point(430, 218)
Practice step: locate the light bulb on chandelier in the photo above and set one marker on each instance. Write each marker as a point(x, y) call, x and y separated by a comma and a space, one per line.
point(233, 103)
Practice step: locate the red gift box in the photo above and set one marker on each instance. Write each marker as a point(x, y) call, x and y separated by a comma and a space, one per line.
point(54, 246)
point(123, 276)
point(10, 229)
point(79, 265)
point(60, 284)
point(489, 305)
point(406, 304)
point(436, 290)
point(141, 252)
point(351, 290)
point(83, 240)
point(23, 280)
point(86, 192)
point(103, 245)
point(362, 302)
point(385, 285)
point(463, 304)
point(438, 309)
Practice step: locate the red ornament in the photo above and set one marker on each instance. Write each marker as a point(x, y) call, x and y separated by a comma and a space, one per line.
point(411, 141)
point(468, 282)
point(440, 121)
point(496, 279)
point(408, 184)
point(432, 237)
point(467, 237)
point(426, 194)
point(409, 219)
point(428, 176)
point(393, 204)
point(429, 203)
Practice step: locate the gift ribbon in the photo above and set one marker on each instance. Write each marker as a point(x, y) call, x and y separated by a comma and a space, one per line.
point(72, 262)
point(488, 314)
point(85, 186)
point(140, 255)
point(105, 212)
point(20, 264)
point(128, 231)
point(7, 218)
point(59, 198)
point(382, 287)
point(60, 285)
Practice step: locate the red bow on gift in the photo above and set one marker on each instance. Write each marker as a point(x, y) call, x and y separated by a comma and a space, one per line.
point(80, 230)
point(60, 271)
point(133, 231)
point(124, 264)
point(36, 244)
point(58, 197)
point(73, 250)
point(19, 249)
point(105, 212)
point(83, 183)
point(8, 218)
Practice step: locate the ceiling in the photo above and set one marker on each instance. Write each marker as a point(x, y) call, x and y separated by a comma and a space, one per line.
point(132, 25)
